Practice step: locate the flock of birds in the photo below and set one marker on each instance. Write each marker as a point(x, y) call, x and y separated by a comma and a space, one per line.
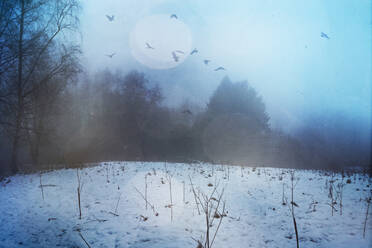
point(175, 54)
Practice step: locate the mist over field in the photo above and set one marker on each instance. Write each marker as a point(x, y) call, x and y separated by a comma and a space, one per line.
point(307, 64)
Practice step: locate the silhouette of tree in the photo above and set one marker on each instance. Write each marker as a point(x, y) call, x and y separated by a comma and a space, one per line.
point(234, 125)
point(34, 54)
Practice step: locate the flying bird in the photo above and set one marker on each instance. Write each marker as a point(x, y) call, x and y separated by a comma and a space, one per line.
point(206, 61)
point(220, 69)
point(324, 35)
point(300, 92)
point(174, 16)
point(149, 46)
point(175, 57)
point(110, 18)
point(187, 111)
point(194, 51)
point(110, 55)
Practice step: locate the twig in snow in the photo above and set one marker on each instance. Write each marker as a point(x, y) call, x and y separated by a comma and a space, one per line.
point(78, 191)
point(291, 208)
point(331, 196)
point(146, 190)
point(47, 185)
point(113, 213)
point(340, 188)
point(41, 187)
point(193, 190)
point(96, 219)
point(169, 178)
point(117, 204)
point(152, 206)
point(81, 236)
point(211, 212)
point(369, 199)
point(170, 195)
point(183, 191)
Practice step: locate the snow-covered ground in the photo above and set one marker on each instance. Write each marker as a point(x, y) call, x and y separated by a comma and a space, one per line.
point(114, 213)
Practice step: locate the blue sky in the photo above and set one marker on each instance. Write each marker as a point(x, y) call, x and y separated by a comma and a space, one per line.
point(274, 45)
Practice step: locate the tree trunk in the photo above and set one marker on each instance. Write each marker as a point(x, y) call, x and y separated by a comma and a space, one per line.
point(34, 144)
point(36, 151)
point(38, 129)
point(19, 116)
point(14, 162)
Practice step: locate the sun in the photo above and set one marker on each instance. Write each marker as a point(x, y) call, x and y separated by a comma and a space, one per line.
point(160, 42)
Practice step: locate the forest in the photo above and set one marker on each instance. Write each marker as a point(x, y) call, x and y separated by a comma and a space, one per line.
point(112, 116)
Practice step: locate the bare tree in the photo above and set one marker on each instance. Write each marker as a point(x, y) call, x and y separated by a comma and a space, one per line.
point(7, 55)
point(40, 53)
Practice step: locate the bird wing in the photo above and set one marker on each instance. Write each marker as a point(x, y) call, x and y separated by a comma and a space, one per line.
point(324, 35)
point(175, 56)
point(187, 111)
point(173, 16)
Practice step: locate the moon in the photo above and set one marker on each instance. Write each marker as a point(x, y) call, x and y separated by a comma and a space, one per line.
point(165, 35)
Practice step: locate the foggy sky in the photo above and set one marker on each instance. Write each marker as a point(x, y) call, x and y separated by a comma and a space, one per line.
point(274, 45)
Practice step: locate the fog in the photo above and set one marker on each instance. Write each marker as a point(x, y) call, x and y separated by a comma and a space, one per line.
point(275, 45)
point(275, 83)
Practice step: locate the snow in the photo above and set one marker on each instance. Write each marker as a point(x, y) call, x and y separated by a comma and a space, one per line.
point(255, 218)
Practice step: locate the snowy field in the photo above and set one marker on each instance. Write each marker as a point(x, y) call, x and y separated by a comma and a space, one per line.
point(114, 214)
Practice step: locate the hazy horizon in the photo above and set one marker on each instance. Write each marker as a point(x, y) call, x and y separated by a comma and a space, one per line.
point(275, 45)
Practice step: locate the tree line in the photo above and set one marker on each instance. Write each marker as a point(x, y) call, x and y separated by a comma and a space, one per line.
point(112, 116)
